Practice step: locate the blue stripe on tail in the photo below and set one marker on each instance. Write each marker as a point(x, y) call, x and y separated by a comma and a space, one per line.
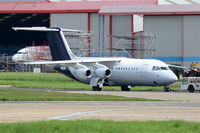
point(57, 46)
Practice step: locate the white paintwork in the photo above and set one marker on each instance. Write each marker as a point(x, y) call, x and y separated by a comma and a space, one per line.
point(124, 71)
point(32, 53)
point(137, 72)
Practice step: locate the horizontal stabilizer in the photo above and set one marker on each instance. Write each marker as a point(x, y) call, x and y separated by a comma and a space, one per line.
point(45, 29)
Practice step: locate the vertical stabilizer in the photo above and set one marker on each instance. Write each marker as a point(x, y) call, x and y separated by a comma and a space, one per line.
point(58, 45)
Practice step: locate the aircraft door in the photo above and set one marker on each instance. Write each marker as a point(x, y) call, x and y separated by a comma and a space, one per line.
point(144, 70)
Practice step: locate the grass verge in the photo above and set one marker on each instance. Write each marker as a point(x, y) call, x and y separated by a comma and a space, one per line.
point(56, 81)
point(100, 126)
point(28, 95)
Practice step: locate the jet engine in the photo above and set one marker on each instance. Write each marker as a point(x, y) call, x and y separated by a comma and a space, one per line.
point(103, 72)
point(83, 73)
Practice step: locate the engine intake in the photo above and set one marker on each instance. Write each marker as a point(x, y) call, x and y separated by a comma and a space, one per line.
point(103, 72)
point(83, 73)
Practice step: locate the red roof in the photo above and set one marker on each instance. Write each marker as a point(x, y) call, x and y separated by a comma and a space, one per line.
point(65, 7)
point(191, 9)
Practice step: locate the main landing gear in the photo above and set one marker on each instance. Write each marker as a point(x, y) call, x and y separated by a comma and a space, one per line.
point(97, 84)
point(125, 88)
point(96, 88)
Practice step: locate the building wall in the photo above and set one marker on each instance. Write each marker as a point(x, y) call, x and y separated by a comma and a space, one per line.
point(99, 26)
point(121, 26)
point(192, 37)
point(70, 20)
point(77, 21)
point(80, 21)
point(23, 1)
point(177, 38)
point(94, 18)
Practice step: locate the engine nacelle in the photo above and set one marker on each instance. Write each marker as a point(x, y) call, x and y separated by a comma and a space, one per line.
point(103, 72)
point(83, 73)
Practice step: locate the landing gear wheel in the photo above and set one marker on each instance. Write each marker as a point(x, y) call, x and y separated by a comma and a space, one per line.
point(191, 89)
point(96, 88)
point(166, 89)
point(125, 88)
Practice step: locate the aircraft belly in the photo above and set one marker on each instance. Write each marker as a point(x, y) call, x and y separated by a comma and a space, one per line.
point(150, 79)
point(124, 78)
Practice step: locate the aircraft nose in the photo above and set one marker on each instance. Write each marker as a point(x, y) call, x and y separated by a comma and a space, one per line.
point(14, 58)
point(172, 78)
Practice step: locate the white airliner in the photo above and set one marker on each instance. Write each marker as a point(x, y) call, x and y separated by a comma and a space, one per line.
point(99, 71)
point(32, 53)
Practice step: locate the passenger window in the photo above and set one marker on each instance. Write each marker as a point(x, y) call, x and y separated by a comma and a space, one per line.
point(154, 68)
point(157, 68)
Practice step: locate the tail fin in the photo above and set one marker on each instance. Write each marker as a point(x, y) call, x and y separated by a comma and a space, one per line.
point(58, 45)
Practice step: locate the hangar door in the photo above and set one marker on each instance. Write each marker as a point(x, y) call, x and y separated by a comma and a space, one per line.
point(11, 41)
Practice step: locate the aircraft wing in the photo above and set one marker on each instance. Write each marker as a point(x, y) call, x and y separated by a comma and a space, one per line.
point(72, 63)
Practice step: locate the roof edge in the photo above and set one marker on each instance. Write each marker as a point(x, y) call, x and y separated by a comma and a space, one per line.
point(193, 9)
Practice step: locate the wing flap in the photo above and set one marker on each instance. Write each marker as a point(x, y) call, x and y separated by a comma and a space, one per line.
point(71, 63)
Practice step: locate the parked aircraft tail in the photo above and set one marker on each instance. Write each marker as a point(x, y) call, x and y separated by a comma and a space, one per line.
point(58, 44)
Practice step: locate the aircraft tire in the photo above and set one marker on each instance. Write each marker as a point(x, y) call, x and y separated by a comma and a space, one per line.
point(128, 89)
point(166, 89)
point(125, 88)
point(96, 88)
point(99, 89)
point(122, 88)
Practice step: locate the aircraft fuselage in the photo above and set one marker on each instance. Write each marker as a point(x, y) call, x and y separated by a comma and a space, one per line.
point(133, 72)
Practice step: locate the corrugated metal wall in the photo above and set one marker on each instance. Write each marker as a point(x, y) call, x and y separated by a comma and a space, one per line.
point(99, 27)
point(177, 37)
point(122, 27)
point(191, 38)
point(23, 0)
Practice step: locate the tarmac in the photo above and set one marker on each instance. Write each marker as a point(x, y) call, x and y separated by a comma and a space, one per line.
point(178, 106)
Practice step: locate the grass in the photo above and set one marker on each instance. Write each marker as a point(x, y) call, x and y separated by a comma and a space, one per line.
point(28, 95)
point(42, 80)
point(55, 81)
point(100, 126)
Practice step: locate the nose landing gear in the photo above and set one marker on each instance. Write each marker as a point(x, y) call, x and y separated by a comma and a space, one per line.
point(125, 88)
point(166, 89)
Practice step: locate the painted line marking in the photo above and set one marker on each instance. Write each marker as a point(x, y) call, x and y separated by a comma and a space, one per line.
point(62, 117)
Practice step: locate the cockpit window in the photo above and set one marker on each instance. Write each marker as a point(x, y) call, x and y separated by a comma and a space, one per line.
point(157, 68)
point(163, 68)
point(154, 68)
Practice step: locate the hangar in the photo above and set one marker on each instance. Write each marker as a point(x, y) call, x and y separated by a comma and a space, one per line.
point(175, 27)
point(82, 15)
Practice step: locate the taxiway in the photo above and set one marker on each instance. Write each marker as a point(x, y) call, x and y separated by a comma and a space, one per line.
point(183, 108)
